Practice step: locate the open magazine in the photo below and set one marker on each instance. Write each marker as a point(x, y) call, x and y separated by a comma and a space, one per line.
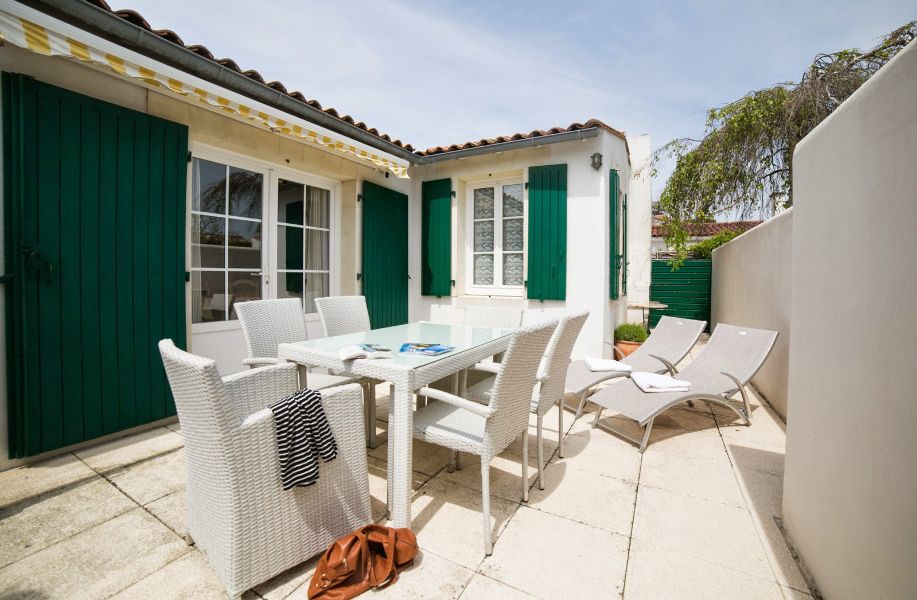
point(425, 349)
point(355, 351)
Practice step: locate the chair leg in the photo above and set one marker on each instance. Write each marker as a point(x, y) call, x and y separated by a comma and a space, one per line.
point(540, 454)
point(525, 465)
point(453, 459)
point(458, 461)
point(646, 436)
point(582, 404)
point(560, 429)
point(485, 505)
point(369, 395)
point(598, 415)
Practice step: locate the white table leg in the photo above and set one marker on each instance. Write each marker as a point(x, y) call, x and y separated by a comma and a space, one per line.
point(400, 441)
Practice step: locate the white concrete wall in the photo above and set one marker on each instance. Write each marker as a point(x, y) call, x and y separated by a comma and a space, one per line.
point(751, 287)
point(850, 488)
point(639, 224)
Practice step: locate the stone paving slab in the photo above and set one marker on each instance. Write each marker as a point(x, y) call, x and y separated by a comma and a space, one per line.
point(130, 449)
point(45, 476)
point(96, 563)
point(31, 526)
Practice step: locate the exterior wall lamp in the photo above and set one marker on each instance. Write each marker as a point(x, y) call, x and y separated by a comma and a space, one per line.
point(596, 161)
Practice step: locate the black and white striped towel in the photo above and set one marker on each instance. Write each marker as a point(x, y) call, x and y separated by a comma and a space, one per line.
point(303, 434)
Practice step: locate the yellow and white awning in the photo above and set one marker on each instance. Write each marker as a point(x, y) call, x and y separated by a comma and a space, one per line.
point(42, 34)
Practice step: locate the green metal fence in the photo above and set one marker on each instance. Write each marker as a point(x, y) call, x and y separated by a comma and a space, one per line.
point(686, 290)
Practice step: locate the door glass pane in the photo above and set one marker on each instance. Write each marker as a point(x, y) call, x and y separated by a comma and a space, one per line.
point(290, 285)
point(484, 203)
point(512, 235)
point(208, 187)
point(318, 207)
point(483, 269)
point(244, 245)
point(208, 235)
point(290, 202)
point(208, 296)
point(244, 193)
point(316, 287)
point(483, 236)
point(242, 288)
point(289, 247)
point(512, 200)
point(512, 269)
point(316, 250)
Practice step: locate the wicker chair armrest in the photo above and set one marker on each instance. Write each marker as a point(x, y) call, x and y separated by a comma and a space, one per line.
point(478, 409)
point(261, 361)
point(487, 367)
point(251, 391)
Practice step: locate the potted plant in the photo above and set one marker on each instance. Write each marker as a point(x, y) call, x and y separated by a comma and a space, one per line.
point(629, 336)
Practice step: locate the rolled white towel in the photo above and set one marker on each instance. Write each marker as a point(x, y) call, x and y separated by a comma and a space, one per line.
point(653, 382)
point(606, 364)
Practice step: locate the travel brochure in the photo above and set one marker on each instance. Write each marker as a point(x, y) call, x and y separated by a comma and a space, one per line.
point(425, 349)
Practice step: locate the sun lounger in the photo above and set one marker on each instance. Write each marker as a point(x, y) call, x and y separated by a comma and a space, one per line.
point(727, 363)
point(671, 340)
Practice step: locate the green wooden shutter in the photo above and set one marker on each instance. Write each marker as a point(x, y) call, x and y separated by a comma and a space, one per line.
point(547, 243)
point(624, 265)
point(614, 234)
point(436, 238)
point(94, 201)
point(385, 255)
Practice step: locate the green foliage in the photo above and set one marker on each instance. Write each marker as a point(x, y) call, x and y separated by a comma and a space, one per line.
point(705, 248)
point(630, 332)
point(743, 164)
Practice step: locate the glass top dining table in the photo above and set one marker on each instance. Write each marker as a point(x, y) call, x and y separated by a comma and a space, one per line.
point(407, 372)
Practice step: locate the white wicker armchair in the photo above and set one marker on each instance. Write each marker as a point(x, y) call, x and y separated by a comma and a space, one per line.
point(269, 323)
point(238, 514)
point(486, 430)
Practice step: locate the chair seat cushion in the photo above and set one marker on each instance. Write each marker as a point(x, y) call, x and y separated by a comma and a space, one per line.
point(446, 425)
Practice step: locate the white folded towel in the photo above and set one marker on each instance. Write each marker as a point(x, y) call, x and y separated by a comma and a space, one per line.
point(653, 382)
point(606, 364)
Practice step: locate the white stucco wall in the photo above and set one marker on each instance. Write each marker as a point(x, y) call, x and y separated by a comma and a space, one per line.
point(751, 287)
point(850, 488)
point(639, 224)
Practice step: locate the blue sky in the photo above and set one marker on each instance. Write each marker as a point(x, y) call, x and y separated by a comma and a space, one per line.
point(435, 73)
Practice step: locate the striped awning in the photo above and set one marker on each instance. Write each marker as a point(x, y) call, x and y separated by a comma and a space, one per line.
point(54, 38)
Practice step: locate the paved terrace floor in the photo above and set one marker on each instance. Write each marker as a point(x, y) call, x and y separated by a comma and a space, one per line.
point(693, 517)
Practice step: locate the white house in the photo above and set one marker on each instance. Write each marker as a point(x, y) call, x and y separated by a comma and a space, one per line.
point(148, 187)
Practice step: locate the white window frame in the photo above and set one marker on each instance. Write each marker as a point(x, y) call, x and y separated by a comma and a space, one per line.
point(334, 222)
point(497, 289)
point(271, 172)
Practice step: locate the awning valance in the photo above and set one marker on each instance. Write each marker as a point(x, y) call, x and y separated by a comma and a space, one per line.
point(45, 35)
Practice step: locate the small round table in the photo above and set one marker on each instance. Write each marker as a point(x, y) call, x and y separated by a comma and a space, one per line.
point(645, 306)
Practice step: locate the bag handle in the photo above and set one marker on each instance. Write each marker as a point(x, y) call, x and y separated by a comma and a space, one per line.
point(391, 568)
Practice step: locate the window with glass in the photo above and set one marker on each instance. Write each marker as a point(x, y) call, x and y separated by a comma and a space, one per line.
point(226, 239)
point(303, 242)
point(498, 235)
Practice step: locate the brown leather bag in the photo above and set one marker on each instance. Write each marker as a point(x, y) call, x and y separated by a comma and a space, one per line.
point(369, 557)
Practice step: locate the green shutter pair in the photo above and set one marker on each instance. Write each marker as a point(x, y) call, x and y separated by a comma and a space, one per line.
point(547, 235)
point(618, 258)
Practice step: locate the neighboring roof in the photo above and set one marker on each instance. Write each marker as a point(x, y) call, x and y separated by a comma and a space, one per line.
point(709, 229)
point(136, 19)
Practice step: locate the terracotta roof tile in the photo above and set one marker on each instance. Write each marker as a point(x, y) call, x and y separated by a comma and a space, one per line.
point(536, 133)
point(137, 19)
point(709, 229)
